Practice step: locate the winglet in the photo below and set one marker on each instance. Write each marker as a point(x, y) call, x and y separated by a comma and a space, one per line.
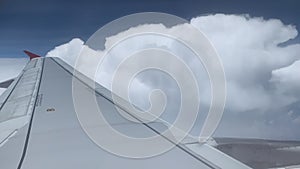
point(31, 55)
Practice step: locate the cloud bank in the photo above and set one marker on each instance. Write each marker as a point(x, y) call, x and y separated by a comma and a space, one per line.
point(10, 68)
point(262, 72)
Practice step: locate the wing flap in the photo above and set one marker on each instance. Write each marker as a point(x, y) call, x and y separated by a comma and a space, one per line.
point(17, 105)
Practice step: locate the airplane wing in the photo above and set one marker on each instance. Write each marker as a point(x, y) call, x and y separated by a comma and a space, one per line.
point(6, 83)
point(39, 128)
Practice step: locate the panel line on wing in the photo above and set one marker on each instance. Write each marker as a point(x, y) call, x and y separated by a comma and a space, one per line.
point(32, 107)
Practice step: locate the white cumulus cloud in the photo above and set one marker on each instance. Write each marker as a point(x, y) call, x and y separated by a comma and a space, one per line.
point(261, 73)
point(287, 79)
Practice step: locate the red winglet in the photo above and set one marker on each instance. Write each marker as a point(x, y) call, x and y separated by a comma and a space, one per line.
point(31, 55)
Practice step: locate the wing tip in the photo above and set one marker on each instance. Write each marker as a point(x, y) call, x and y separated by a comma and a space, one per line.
point(31, 55)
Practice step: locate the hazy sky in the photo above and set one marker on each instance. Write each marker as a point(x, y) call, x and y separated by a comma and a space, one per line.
point(40, 25)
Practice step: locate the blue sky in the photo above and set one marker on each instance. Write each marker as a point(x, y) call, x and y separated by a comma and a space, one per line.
point(41, 25)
